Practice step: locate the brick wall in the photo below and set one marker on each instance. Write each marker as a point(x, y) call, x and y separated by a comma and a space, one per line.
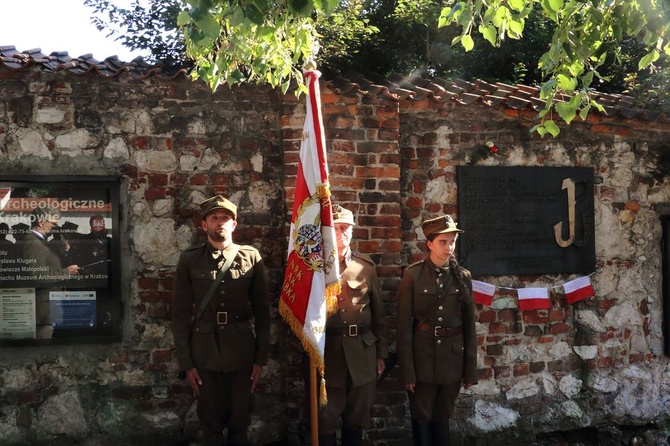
point(394, 164)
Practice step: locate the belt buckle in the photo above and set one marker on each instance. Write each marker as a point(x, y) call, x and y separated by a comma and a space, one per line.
point(438, 327)
point(353, 330)
point(221, 317)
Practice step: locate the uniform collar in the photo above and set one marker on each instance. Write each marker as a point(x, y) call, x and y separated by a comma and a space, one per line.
point(438, 269)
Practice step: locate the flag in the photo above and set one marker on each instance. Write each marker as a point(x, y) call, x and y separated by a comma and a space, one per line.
point(483, 292)
point(311, 280)
point(578, 289)
point(534, 299)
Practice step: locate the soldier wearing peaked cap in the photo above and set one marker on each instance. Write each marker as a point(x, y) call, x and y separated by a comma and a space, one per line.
point(222, 348)
point(356, 342)
point(436, 340)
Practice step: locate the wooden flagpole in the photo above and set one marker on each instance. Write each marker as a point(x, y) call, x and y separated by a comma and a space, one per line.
point(313, 403)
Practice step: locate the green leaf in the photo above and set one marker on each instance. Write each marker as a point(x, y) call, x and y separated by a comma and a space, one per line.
point(237, 17)
point(551, 127)
point(556, 6)
point(566, 83)
point(328, 6)
point(584, 112)
point(302, 8)
point(183, 18)
point(517, 5)
point(648, 60)
point(539, 129)
point(516, 26)
point(253, 14)
point(490, 33)
point(566, 110)
point(467, 42)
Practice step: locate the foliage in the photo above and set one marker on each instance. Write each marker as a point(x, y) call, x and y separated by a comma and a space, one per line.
point(585, 33)
point(152, 27)
point(259, 41)
point(580, 45)
point(343, 35)
point(653, 91)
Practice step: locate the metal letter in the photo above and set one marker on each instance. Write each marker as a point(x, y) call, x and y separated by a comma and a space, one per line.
point(570, 186)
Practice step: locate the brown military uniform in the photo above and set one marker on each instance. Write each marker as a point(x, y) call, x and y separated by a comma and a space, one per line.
point(443, 353)
point(222, 344)
point(356, 336)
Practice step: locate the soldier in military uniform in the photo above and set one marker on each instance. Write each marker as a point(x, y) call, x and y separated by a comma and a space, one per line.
point(220, 352)
point(436, 341)
point(356, 342)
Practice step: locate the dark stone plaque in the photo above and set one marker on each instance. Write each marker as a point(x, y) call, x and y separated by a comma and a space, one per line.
point(526, 220)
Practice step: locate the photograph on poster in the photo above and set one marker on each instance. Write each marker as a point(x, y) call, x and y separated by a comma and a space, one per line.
point(56, 258)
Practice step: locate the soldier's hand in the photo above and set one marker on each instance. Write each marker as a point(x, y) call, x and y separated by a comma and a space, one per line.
point(410, 387)
point(193, 378)
point(256, 372)
point(381, 366)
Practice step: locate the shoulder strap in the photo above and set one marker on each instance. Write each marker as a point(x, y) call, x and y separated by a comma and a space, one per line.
point(217, 280)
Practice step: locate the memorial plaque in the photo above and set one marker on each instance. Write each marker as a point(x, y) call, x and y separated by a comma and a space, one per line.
point(526, 220)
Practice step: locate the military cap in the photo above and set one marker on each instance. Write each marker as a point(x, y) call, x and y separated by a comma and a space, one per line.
point(218, 202)
point(341, 215)
point(439, 225)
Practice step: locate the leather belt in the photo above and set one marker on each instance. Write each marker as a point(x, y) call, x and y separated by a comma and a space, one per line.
point(347, 330)
point(224, 317)
point(439, 331)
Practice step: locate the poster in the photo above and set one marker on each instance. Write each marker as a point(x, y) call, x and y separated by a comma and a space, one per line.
point(17, 313)
point(59, 238)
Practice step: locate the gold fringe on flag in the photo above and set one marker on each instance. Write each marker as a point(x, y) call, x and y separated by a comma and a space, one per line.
point(311, 349)
point(323, 396)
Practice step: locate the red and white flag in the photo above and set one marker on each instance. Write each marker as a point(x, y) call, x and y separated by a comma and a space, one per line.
point(578, 289)
point(311, 280)
point(483, 292)
point(533, 299)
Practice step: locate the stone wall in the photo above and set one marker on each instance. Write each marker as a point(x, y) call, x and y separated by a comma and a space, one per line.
point(591, 371)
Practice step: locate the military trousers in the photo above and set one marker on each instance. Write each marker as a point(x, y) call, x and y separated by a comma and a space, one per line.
point(432, 402)
point(225, 401)
point(352, 404)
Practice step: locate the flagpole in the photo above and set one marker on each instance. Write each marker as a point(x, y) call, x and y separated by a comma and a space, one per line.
point(313, 388)
point(313, 404)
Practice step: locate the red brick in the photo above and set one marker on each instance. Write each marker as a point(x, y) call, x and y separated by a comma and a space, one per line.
point(559, 328)
point(521, 369)
point(487, 316)
point(497, 328)
point(508, 315)
point(154, 193)
point(161, 356)
point(605, 362)
point(502, 372)
point(147, 283)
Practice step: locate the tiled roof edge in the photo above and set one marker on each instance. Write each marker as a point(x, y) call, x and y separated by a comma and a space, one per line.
point(393, 87)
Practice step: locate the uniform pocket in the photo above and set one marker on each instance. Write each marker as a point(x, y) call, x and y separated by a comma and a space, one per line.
point(203, 274)
point(369, 339)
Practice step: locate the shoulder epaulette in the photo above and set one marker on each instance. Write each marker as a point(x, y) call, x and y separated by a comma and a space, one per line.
point(364, 257)
point(247, 248)
point(416, 263)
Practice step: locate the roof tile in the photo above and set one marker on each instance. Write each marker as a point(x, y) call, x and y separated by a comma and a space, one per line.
point(395, 87)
